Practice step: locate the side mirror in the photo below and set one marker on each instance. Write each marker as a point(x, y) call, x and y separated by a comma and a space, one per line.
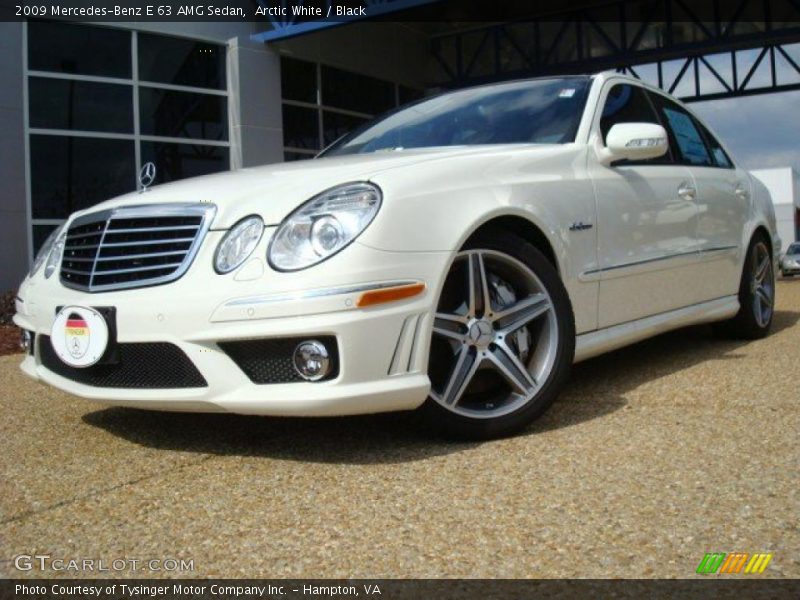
point(634, 141)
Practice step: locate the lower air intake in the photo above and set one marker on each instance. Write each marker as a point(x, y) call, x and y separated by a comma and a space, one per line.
point(148, 365)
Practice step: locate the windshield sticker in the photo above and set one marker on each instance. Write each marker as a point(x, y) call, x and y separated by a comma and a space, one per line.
point(566, 93)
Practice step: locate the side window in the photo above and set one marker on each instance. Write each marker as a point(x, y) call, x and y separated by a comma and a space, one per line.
point(718, 155)
point(691, 147)
point(629, 104)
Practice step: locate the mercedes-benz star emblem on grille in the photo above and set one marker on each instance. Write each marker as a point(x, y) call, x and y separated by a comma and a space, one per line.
point(147, 174)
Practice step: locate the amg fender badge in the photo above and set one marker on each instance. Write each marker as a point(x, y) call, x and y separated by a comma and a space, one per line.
point(580, 226)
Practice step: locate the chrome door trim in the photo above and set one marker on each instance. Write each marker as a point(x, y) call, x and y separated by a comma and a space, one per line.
point(634, 267)
point(638, 266)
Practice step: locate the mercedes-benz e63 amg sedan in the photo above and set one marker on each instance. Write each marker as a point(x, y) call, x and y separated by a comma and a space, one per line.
point(457, 254)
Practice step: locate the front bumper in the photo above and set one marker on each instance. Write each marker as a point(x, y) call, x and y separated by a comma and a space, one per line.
point(382, 350)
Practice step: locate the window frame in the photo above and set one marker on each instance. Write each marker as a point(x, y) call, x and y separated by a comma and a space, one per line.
point(669, 159)
point(136, 136)
point(704, 132)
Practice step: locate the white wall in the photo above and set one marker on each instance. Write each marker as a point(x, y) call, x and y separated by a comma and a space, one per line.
point(784, 187)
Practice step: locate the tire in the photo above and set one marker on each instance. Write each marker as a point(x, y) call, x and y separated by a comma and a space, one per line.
point(756, 294)
point(521, 319)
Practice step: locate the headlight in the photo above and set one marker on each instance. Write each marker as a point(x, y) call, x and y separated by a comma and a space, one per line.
point(238, 244)
point(56, 253)
point(323, 226)
point(46, 250)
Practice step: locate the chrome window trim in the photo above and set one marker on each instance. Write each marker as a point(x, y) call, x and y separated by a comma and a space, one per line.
point(205, 210)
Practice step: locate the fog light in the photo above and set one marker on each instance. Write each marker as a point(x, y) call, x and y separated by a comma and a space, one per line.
point(311, 360)
point(25, 340)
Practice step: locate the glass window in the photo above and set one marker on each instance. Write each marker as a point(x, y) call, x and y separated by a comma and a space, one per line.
point(79, 49)
point(71, 173)
point(181, 62)
point(407, 94)
point(298, 80)
point(40, 233)
point(626, 104)
point(300, 127)
point(544, 111)
point(335, 125)
point(84, 105)
point(351, 91)
point(687, 138)
point(178, 161)
point(169, 113)
point(718, 155)
point(293, 156)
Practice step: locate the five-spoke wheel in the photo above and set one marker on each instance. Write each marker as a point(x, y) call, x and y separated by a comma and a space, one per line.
point(756, 294)
point(501, 335)
point(762, 284)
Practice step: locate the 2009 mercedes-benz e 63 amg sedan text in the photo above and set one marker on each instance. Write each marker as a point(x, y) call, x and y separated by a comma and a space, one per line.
point(458, 254)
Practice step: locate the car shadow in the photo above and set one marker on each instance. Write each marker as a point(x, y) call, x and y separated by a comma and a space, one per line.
point(596, 388)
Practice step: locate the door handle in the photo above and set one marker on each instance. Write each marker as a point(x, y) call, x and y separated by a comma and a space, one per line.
point(687, 191)
point(741, 191)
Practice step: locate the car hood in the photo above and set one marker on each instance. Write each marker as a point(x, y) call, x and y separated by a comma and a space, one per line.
point(274, 191)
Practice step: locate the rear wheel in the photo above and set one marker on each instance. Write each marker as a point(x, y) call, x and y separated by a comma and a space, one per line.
point(756, 294)
point(503, 339)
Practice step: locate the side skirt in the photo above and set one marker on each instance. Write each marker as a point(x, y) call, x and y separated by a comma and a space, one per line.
point(598, 342)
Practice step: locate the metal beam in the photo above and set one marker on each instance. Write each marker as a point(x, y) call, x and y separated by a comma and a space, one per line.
point(642, 32)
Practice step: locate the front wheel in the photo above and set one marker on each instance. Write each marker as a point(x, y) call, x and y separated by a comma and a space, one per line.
point(503, 339)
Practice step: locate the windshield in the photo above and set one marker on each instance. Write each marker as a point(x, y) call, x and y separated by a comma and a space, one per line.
point(793, 249)
point(541, 111)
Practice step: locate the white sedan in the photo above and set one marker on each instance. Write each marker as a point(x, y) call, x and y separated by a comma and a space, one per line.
point(458, 254)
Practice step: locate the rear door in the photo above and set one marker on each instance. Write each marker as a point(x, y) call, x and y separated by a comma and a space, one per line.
point(722, 199)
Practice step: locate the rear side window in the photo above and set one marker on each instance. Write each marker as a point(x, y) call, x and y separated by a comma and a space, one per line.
point(718, 155)
point(691, 147)
point(629, 104)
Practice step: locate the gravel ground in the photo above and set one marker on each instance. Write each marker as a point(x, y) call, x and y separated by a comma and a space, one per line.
point(653, 456)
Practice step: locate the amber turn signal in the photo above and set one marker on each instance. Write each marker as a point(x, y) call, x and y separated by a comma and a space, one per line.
point(391, 294)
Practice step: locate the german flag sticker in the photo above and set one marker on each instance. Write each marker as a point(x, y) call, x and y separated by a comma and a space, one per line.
point(77, 335)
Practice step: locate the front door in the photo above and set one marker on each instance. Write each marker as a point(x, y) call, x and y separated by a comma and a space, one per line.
point(646, 220)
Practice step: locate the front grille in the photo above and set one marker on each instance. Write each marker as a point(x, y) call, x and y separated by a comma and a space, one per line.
point(271, 360)
point(133, 246)
point(147, 365)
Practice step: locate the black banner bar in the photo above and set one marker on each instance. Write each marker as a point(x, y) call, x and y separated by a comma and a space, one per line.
point(277, 13)
point(396, 589)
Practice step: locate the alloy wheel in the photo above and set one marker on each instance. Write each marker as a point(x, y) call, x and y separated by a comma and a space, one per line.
point(762, 284)
point(495, 336)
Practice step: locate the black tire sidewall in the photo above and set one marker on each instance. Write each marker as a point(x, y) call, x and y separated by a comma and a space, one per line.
point(744, 324)
point(460, 426)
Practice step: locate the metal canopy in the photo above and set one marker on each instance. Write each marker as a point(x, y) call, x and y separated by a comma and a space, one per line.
point(695, 50)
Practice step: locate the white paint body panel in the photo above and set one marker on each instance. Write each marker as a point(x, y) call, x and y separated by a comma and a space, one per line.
point(433, 200)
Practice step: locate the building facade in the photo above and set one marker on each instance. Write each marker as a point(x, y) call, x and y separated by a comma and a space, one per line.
point(784, 187)
point(84, 106)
